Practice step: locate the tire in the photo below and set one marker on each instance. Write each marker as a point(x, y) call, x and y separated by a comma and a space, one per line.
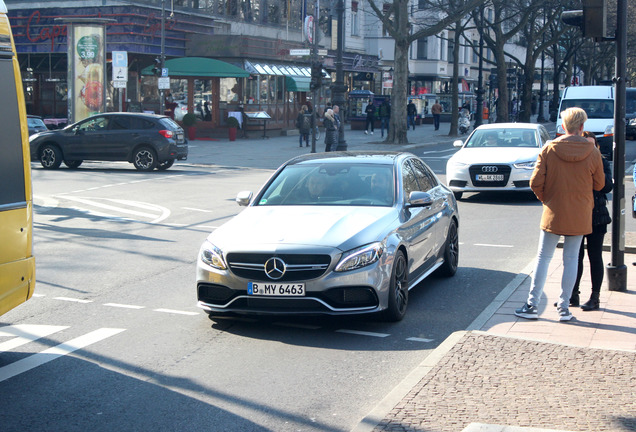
point(50, 156)
point(144, 159)
point(165, 165)
point(458, 195)
point(398, 289)
point(451, 252)
point(72, 164)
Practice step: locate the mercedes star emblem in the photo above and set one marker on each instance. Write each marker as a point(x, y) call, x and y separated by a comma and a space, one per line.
point(275, 268)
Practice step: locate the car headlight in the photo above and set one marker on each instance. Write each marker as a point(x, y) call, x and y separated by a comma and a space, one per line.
point(632, 121)
point(212, 256)
point(525, 165)
point(456, 164)
point(560, 130)
point(360, 257)
point(609, 130)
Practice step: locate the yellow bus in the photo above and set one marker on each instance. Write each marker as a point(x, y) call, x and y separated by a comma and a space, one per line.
point(17, 264)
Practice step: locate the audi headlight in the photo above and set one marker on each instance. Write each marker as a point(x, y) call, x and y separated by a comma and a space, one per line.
point(609, 130)
point(456, 164)
point(525, 165)
point(212, 256)
point(360, 257)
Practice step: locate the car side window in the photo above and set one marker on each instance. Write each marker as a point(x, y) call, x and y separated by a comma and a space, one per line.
point(424, 177)
point(94, 125)
point(119, 123)
point(145, 124)
point(409, 180)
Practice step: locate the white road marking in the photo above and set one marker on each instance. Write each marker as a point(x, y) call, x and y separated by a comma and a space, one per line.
point(55, 352)
point(199, 210)
point(38, 295)
point(440, 151)
point(69, 299)
point(125, 306)
point(415, 339)
point(492, 245)
point(172, 311)
point(207, 227)
point(363, 333)
point(118, 209)
point(25, 333)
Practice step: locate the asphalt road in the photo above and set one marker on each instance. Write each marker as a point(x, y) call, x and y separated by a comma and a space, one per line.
point(113, 340)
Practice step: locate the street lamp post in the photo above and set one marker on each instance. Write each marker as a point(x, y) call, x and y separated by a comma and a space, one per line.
point(480, 78)
point(338, 89)
point(162, 101)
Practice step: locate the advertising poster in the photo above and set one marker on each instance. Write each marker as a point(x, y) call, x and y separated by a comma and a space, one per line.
point(88, 61)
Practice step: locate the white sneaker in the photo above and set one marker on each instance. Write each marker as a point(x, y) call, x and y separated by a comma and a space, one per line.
point(366, 133)
point(371, 132)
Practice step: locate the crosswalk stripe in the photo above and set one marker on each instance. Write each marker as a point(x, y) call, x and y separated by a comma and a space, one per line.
point(25, 333)
point(55, 352)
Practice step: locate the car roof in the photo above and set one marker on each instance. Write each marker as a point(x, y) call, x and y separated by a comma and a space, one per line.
point(344, 157)
point(498, 126)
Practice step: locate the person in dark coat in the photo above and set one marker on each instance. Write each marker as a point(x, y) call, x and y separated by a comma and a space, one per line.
point(303, 123)
point(411, 112)
point(385, 116)
point(331, 131)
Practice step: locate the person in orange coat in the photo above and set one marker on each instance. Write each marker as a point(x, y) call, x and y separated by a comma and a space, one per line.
point(567, 170)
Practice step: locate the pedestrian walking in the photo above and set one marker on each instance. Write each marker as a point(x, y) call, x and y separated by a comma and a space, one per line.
point(411, 113)
point(436, 110)
point(370, 110)
point(567, 170)
point(385, 116)
point(340, 126)
point(600, 219)
point(303, 123)
point(331, 131)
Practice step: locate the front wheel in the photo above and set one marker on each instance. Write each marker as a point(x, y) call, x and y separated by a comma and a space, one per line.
point(145, 159)
point(398, 289)
point(165, 165)
point(50, 156)
point(451, 251)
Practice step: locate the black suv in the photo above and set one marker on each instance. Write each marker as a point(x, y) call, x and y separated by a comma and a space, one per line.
point(147, 141)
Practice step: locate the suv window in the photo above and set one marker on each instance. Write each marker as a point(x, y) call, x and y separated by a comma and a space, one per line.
point(94, 124)
point(120, 122)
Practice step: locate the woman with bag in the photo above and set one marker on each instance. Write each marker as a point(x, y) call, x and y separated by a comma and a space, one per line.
point(600, 219)
point(331, 131)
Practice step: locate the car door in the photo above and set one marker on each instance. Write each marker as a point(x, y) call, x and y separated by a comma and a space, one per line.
point(419, 229)
point(119, 136)
point(87, 140)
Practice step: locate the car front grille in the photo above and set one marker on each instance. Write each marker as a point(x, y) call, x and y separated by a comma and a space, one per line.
point(475, 170)
point(299, 267)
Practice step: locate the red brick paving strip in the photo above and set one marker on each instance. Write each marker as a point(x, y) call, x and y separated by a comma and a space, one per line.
point(506, 381)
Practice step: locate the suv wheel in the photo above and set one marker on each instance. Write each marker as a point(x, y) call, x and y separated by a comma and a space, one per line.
point(165, 165)
point(145, 159)
point(50, 156)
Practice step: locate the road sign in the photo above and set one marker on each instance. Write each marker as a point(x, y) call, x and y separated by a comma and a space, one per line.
point(120, 59)
point(120, 73)
point(164, 72)
point(322, 52)
point(164, 83)
point(120, 84)
point(299, 52)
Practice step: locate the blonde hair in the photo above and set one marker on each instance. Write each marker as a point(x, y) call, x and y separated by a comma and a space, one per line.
point(303, 108)
point(573, 119)
point(329, 114)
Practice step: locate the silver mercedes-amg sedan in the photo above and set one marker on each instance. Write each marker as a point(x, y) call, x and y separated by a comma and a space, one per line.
point(332, 233)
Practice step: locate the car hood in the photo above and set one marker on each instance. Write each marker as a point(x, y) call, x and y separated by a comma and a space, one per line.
point(496, 155)
point(45, 134)
point(270, 228)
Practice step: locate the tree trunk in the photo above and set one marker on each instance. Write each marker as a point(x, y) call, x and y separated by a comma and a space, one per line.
point(455, 81)
point(397, 124)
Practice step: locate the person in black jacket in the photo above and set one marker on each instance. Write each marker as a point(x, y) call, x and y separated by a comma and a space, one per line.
point(600, 219)
point(411, 112)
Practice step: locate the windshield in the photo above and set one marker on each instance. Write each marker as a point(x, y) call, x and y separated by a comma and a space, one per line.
point(504, 138)
point(35, 122)
point(595, 108)
point(332, 184)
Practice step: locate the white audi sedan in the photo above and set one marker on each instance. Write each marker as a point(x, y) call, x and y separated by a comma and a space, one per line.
point(332, 233)
point(496, 157)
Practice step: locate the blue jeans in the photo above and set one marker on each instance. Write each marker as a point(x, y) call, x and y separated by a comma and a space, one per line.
point(384, 123)
point(411, 122)
point(547, 245)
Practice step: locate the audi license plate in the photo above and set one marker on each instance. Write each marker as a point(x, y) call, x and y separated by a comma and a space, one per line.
point(490, 177)
point(275, 289)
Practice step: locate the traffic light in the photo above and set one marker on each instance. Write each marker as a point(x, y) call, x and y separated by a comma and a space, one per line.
point(316, 76)
point(156, 69)
point(591, 19)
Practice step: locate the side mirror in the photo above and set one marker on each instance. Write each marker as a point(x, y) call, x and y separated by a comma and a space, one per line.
point(419, 199)
point(458, 143)
point(243, 198)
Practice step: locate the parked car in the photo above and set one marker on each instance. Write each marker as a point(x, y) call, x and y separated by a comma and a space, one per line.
point(148, 141)
point(332, 233)
point(35, 124)
point(496, 157)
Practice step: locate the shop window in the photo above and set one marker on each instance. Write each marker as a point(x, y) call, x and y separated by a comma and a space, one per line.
point(251, 89)
point(263, 89)
point(229, 88)
point(202, 97)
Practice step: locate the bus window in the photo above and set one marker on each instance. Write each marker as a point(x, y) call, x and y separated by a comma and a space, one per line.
point(17, 265)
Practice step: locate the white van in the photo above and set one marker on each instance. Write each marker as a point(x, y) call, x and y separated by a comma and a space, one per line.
point(598, 103)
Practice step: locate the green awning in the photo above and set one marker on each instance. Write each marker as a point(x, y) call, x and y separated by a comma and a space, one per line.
point(297, 83)
point(200, 67)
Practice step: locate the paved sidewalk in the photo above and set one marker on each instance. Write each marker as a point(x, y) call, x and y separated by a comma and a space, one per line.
point(508, 374)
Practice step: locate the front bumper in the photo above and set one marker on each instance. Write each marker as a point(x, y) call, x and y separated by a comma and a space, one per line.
point(465, 180)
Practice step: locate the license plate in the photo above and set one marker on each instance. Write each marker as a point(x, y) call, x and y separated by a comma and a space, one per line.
point(179, 137)
point(275, 289)
point(490, 177)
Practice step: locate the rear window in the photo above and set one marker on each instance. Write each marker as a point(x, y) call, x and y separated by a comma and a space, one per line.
point(12, 191)
point(170, 124)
